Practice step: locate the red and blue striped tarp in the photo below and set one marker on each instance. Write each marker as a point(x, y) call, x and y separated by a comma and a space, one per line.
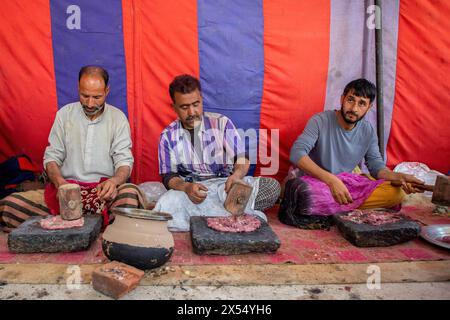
point(266, 64)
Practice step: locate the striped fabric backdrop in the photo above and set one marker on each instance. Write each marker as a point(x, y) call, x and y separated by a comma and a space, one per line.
point(266, 64)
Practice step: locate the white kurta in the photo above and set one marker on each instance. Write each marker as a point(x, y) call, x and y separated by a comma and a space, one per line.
point(88, 150)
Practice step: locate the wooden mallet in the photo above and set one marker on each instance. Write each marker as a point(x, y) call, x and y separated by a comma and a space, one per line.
point(237, 198)
point(70, 204)
point(441, 189)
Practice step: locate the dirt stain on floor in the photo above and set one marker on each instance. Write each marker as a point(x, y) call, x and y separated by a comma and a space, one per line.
point(314, 291)
point(41, 293)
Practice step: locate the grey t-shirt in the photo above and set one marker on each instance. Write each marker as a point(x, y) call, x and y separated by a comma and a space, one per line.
point(335, 149)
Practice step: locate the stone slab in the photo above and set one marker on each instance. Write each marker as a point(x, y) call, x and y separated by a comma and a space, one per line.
point(30, 237)
point(208, 241)
point(366, 235)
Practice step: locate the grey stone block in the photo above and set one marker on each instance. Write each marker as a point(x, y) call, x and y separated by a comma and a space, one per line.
point(30, 237)
point(208, 241)
point(365, 235)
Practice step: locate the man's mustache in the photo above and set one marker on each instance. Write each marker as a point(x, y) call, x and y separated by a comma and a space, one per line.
point(352, 113)
point(192, 118)
point(96, 110)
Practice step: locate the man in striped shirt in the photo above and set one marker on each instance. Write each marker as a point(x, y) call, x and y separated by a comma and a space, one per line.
point(200, 146)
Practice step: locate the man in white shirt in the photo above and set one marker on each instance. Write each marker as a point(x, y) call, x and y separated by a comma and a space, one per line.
point(89, 144)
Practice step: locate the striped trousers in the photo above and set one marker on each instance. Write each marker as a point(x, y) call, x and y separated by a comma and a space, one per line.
point(19, 206)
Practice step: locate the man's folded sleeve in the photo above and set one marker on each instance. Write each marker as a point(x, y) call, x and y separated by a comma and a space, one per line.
point(167, 177)
point(121, 147)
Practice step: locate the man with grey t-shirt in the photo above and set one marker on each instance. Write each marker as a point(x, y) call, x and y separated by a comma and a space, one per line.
point(336, 141)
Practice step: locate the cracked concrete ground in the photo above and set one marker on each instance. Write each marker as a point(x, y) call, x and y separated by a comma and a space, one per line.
point(388, 291)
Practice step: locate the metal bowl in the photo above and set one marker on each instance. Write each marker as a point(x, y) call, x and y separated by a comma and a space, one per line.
point(142, 214)
point(435, 233)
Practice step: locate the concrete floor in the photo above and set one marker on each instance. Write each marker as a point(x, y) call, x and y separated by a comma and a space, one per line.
point(388, 291)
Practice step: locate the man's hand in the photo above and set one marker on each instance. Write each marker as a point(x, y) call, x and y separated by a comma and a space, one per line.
point(60, 183)
point(339, 191)
point(54, 174)
point(406, 180)
point(107, 190)
point(231, 179)
point(196, 192)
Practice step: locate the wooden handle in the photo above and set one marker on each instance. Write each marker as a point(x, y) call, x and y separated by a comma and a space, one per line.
point(426, 187)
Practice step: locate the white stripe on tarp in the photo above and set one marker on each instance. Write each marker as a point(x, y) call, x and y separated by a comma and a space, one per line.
point(352, 52)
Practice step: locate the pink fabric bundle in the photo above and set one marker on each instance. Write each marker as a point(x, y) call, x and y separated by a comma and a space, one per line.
point(322, 201)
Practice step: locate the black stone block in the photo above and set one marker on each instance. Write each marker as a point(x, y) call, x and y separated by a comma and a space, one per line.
point(366, 235)
point(30, 237)
point(208, 241)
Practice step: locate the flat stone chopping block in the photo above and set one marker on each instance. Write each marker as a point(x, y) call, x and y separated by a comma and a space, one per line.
point(366, 235)
point(30, 237)
point(208, 241)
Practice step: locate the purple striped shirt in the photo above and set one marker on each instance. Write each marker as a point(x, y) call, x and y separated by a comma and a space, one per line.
point(220, 145)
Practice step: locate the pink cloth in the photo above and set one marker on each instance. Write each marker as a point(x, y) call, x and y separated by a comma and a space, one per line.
point(323, 203)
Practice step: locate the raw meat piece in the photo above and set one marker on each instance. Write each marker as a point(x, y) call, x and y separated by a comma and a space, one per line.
point(446, 239)
point(372, 217)
point(56, 222)
point(244, 223)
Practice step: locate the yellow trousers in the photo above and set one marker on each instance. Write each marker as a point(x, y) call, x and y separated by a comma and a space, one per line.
point(384, 196)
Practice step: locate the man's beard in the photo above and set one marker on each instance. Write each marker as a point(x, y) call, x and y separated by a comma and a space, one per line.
point(94, 112)
point(352, 113)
